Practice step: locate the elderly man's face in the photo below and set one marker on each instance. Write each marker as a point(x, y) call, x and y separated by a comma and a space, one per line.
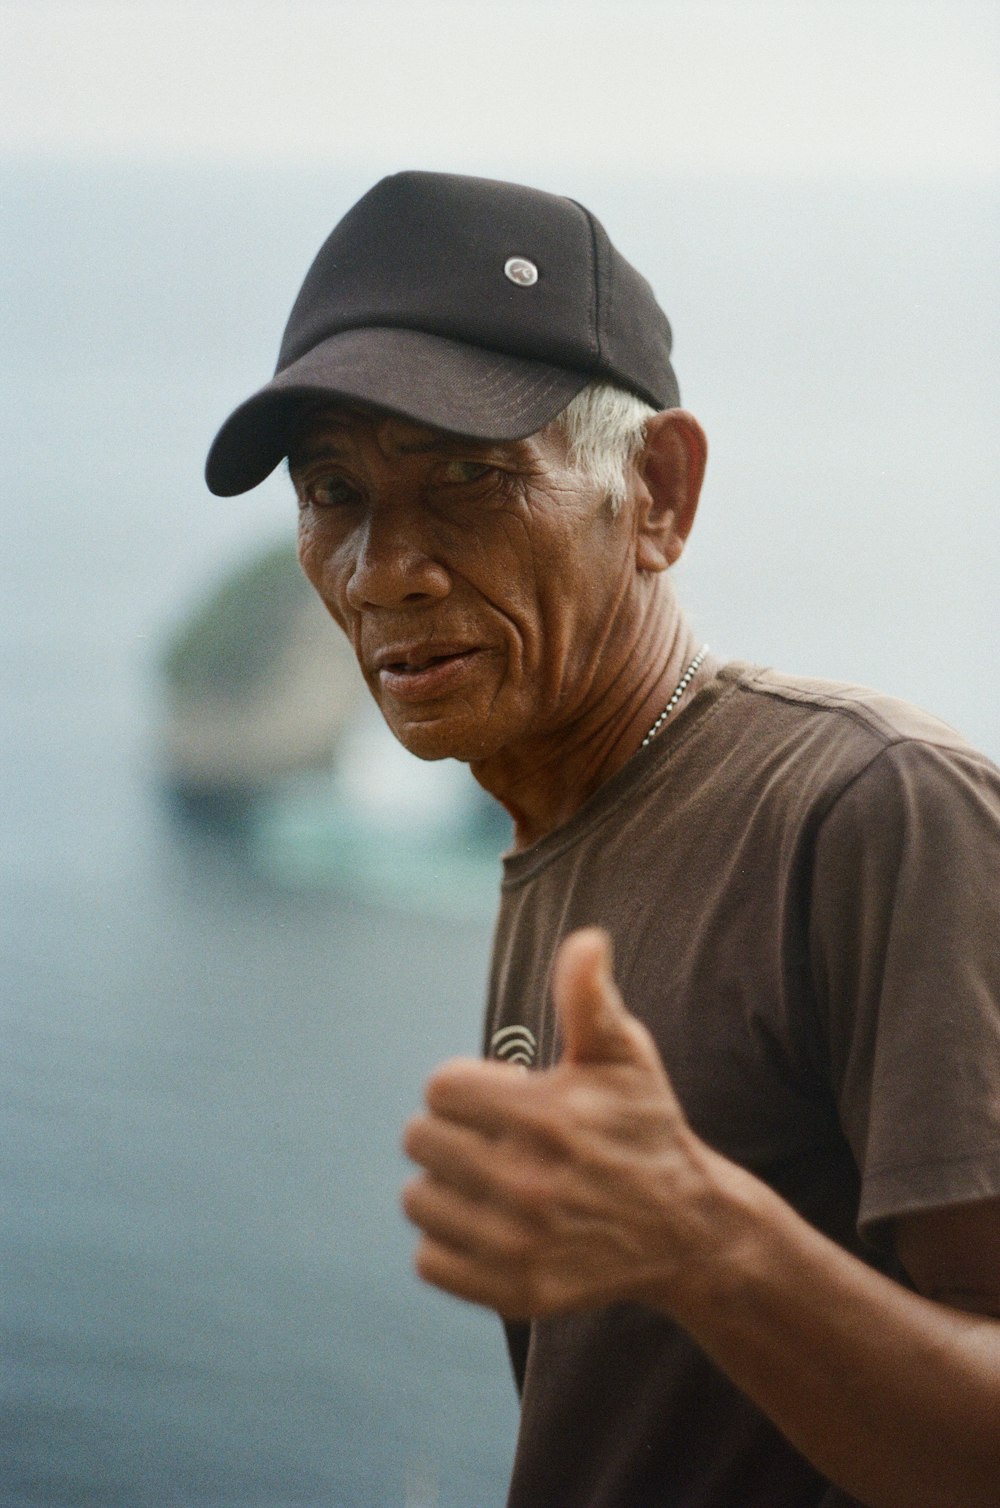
point(480, 584)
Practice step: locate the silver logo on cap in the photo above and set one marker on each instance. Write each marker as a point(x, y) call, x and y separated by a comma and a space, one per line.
point(521, 271)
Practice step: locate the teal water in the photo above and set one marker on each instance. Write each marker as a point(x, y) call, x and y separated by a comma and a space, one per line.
point(207, 1297)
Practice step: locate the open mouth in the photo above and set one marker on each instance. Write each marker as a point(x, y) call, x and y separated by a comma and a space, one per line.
point(419, 675)
point(415, 666)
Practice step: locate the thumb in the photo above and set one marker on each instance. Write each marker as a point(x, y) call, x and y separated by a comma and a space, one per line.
point(595, 1025)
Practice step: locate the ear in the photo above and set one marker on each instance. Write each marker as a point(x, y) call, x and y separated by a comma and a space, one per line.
point(671, 468)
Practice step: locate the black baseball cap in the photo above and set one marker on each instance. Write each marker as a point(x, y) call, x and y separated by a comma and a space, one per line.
point(468, 305)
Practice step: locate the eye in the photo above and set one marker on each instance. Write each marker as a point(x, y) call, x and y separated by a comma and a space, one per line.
point(329, 490)
point(457, 473)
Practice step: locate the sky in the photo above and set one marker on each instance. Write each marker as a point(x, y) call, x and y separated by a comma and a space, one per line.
point(800, 87)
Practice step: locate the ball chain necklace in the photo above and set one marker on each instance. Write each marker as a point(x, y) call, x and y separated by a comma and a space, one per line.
point(682, 686)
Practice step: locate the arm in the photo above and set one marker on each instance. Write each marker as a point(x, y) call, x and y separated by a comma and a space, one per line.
point(583, 1186)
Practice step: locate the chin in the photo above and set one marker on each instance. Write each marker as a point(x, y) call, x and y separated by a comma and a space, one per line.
point(441, 738)
point(428, 740)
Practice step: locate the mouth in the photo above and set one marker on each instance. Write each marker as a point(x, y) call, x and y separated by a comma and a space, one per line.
point(419, 674)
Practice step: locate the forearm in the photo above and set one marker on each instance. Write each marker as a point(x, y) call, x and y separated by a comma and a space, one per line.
point(893, 1397)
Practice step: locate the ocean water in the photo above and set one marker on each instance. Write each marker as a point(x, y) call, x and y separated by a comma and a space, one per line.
point(207, 1298)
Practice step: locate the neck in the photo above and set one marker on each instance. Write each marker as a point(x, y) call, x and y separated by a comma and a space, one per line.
point(543, 785)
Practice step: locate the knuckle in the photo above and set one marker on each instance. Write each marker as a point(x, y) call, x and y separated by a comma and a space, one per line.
point(551, 1124)
point(512, 1246)
point(447, 1081)
point(425, 1260)
point(439, 1088)
point(412, 1199)
point(412, 1139)
point(585, 1102)
point(527, 1189)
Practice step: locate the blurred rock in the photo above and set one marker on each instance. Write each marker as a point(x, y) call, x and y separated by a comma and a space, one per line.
point(258, 685)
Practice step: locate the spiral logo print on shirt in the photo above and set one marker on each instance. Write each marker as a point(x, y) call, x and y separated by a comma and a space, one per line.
point(514, 1044)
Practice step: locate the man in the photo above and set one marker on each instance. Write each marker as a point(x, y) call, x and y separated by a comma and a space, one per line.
point(742, 1218)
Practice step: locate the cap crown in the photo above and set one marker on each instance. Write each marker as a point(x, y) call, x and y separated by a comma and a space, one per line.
point(426, 251)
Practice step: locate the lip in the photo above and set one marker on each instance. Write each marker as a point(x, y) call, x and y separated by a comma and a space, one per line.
point(415, 653)
point(417, 673)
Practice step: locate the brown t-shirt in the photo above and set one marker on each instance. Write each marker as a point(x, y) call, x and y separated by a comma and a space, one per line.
point(802, 884)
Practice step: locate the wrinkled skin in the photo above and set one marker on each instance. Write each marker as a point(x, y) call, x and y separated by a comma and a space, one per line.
point(552, 609)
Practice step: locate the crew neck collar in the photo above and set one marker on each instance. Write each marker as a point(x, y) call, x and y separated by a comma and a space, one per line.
point(644, 765)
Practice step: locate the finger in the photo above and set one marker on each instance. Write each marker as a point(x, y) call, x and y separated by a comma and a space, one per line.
point(596, 1027)
point(451, 1152)
point(465, 1224)
point(480, 1095)
point(469, 1277)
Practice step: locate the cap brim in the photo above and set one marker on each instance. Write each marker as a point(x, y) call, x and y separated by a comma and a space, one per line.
point(444, 384)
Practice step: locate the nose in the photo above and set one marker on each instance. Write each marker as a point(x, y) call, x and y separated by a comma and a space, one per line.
point(393, 562)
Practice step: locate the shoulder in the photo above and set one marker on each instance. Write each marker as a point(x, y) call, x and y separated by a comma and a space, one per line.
point(868, 714)
point(794, 758)
point(835, 735)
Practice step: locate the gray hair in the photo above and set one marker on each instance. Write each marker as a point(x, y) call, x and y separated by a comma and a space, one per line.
point(605, 428)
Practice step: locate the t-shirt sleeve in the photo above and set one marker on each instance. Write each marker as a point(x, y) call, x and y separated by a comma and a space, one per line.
point(904, 914)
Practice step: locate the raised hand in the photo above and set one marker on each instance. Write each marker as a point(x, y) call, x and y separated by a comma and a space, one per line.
point(564, 1189)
